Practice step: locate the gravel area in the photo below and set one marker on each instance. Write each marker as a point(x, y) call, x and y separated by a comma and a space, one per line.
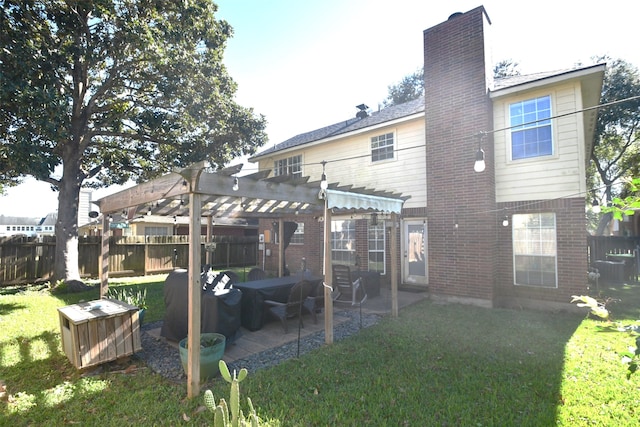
point(164, 359)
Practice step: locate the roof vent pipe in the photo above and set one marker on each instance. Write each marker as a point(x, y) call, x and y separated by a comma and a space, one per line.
point(363, 111)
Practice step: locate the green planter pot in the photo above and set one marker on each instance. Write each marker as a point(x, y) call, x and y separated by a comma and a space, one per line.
point(210, 355)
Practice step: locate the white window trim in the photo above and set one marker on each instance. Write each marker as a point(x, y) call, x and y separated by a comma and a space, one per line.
point(275, 170)
point(513, 259)
point(508, 131)
point(383, 251)
point(395, 147)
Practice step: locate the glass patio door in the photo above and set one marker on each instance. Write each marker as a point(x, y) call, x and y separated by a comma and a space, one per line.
point(415, 266)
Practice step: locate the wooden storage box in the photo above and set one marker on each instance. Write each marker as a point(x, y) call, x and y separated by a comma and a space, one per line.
point(99, 331)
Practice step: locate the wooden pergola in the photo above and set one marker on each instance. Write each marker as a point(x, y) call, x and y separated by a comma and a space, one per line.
point(221, 193)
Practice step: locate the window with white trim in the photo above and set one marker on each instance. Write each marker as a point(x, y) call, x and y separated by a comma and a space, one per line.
point(289, 166)
point(376, 240)
point(534, 249)
point(343, 242)
point(382, 147)
point(530, 123)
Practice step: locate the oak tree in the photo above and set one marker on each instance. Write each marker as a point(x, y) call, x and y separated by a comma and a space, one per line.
point(100, 92)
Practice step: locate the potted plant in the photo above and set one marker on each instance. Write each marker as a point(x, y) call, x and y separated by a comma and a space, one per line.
point(135, 297)
point(212, 347)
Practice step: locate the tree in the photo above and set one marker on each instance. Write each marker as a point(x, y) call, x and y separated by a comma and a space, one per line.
point(615, 154)
point(107, 91)
point(505, 68)
point(412, 85)
point(409, 88)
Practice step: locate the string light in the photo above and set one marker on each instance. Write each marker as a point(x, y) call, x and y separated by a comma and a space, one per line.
point(323, 183)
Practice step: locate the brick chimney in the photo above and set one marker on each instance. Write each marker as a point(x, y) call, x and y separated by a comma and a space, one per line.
point(461, 203)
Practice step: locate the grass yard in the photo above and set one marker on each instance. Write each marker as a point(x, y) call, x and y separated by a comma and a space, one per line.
point(436, 365)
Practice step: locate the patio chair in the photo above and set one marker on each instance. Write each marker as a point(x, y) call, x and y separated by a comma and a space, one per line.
point(256, 273)
point(345, 289)
point(315, 301)
point(293, 307)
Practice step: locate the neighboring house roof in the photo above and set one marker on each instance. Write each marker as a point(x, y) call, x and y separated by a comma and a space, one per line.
point(18, 220)
point(50, 219)
point(385, 115)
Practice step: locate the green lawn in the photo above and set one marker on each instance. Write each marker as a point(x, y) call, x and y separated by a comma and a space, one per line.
point(435, 365)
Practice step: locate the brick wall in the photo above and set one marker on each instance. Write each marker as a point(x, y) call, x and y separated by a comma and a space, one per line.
point(572, 261)
point(311, 250)
point(457, 107)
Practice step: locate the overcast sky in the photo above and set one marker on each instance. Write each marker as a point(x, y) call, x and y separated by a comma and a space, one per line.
point(307, 64)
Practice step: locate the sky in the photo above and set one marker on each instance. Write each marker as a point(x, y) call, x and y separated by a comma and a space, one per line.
point(307, 64)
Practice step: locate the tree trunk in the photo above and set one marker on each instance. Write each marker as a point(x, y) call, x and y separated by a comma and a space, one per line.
point(66, 265)
point(602, 224)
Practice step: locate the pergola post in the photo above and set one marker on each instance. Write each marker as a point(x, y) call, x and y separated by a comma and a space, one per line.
point(193, 338)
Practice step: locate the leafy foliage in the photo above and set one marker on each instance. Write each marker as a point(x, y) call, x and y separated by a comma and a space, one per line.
point(505, 68)
point(135, 297)
point(615, 154)
point(597, 309)
point(409, 88)
point(621, 206)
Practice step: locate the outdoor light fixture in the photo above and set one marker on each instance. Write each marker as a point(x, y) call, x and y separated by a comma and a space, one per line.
point(323, 183)
point(184, 184)
point(595, 206)
point(505, 221)
point(479, 165)
point(236, 185)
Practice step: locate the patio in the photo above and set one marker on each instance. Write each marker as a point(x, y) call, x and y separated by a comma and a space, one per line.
point(271, 335)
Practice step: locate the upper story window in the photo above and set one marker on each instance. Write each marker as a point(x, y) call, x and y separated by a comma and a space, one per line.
point(289, 166)
point(531, 128)
point(382, 147)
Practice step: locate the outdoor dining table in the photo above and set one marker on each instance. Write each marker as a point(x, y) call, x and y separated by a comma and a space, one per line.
point(255, 292)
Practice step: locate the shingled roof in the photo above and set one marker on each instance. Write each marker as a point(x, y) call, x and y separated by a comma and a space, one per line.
point(385, 115)
point(511, 81)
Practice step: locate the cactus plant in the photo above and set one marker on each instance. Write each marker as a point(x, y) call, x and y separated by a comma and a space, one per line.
point(221, 411)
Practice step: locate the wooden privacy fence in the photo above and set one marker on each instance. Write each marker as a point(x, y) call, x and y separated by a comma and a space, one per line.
point(32, 259)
